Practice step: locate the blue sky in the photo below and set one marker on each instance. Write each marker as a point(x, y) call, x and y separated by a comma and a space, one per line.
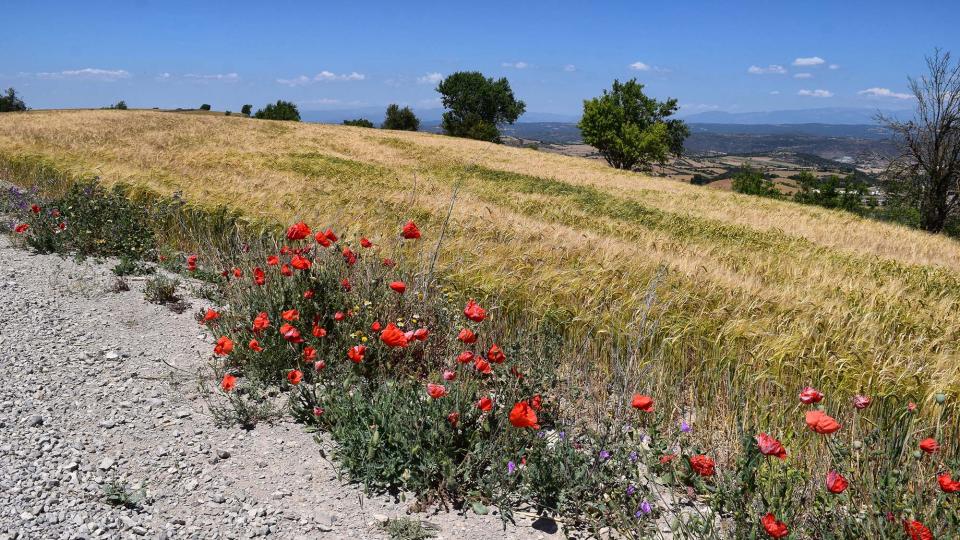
point(712, 55)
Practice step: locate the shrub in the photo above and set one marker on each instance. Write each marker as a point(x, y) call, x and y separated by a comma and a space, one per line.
point(205, 107)
point(477, 105)
point(753, 182)
point(227, 113)
point(359, 122)
point(245, 110)
point(161, 290)
point(11, 102)
point(281, 110)
point(400, 119)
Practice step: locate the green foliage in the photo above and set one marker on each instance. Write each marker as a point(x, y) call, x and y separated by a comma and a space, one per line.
point(281, 110)
point(359, 122)
point(119, 493)
point(848, 193)
point(205, 107)
point(700, 180)
point(477, 105)
point(630, 129)
point(120, 105)
point(161, 290)
point(227, 113)
point(131, 267)
point(408, 529)
point(11, 102)
point(246, 109)
point(400, 119)
point(753, 182)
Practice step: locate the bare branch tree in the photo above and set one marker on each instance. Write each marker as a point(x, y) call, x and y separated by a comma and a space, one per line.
point(926, 173)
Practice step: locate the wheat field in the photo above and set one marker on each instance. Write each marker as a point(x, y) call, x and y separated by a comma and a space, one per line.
point(780, 293)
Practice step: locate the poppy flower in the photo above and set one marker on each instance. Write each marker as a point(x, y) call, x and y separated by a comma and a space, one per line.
point(421, 334)
point(34, 208)
point(810, 395)
point(339, 316)
point(770, 446)
point(393, 337)
point(389, 263)
point(223, 347)
point(667, 458)
point(465, 357)
point(836, 483)
point(642, 403)
point(286, 271)
point(449, 375)
point(929, 445)
point(308, 294)
point(947, 483)
point(365, 243)
point(774, 528)
point(191, 263)
point(323, 240)
point(410, 231)
point(330, 236)
point(228, 383)
point(290, 315)
point(861, 402)
point(536, 402)
point(398, 287)
point(300, 262)
point(62, 226)
point(318, 331)
point(467, 336)
point(453, 418)
point(294, 376)
point(290, 333)
point(345, 283)
point(474, 312)
point(254, 345)
point(703, 465)
point(917, 531)
point(356, 353)
point(523, 416)
point(821, 423)
point(55, 213)
point(259, 277)
point(309, 354)
point(211, 315)
point(436, 391)
point(516, 372)
point(911, 406)
point(21, 228)
point(485, 404)
point(483, 366)
point(284, 250)
point(273, 260)
point(495, 354)
point(319, 365)
point(317, 411)
point(261, 322)
point(237, 273)
point(349, 256)
point(298, 231)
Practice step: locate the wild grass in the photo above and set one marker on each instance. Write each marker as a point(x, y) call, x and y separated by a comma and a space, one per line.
point(759, 297)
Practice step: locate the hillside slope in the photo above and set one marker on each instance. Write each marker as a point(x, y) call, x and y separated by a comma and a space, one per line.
point(777, 291)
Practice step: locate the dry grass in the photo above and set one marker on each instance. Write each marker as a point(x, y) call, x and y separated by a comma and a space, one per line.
point(780, 293)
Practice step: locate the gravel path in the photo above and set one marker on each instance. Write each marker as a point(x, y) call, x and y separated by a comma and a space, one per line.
point(88, 399)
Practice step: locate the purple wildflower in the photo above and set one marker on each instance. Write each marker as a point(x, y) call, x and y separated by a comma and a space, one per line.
point(634, 456)
point(685, 427)
point(604, 455)
point(631, 489)
point(511, 466)
point(645, 507)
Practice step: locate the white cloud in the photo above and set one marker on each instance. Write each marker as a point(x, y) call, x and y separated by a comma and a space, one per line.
point(698, 107)
point(163, 76)
point(774, 92)
point(430, 78)
point(834, 66)
point(296, 81)
point(883, 93)
point(515, 65)
point(324, 75)
point(809, 61)
point(87, 73)
point(320, 101)
point(772, 68)
point(226, 77)
point(815, 93)
point(569, 67)
point(640, 66)
point(803, 75)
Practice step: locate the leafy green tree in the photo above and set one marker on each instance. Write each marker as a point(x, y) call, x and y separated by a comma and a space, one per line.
point(846, 193)
point(477, 105)
point(245, 110)
point(11, 102)
point(205, 107)
point(630, 129)
point(358, 122)
point(401, 119)
point(753, 182)
point(122, 105)
point(281, 110)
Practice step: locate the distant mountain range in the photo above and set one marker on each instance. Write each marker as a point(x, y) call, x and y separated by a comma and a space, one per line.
point(827, 115)
point(427, 116)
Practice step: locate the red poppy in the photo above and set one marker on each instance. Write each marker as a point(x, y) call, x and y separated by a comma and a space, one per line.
point(810, 395)
point(821, 423)
point(770, 446)
point(308, 294)
point(421, 334)
point(465, 357)
point(345, 283)
point(467, 336)
point(191, 263)
point(911, 406)
point(929, 445)
point(389, 263)
point(323, 240)
point(836, 483)
point(237, 273)
point(393, 337)
point(449, 375)
point(294, 376)
point(642, 403)
point(284, 250)
point(516, 372)
point(290, 315)
point(228, 383)
point(290, 333)
point(317, 411)
point(21, 228)
point(330, 236)
point(254, 345)
point(300, 262)
point(211, 315)
point(62, 226)
point(366, 243)
point(667, 458)
point(259, 276)
point(485, 404)
point(861, 402)
point(398, 286)
point(703, 465)
point(495, 354)
point(917, 531)
point(286, 271)
point(319, 365)
point(474, 312)
point(318, 331)
point(298, 231)
point(223, 347)
point(483, 366)
point(273, 260)
point(536, 402)
point(34, 208)
point(339, 316)
point(309, 354)
point(453, 418)
point(410, 231)
point(947, 483)
point(356, 353)
point(523, 416)
point(436, 391)
point(261, 322)
point(774, 528)
point(349, 256)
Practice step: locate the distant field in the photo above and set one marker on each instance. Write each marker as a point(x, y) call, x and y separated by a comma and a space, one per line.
point(778, 292)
